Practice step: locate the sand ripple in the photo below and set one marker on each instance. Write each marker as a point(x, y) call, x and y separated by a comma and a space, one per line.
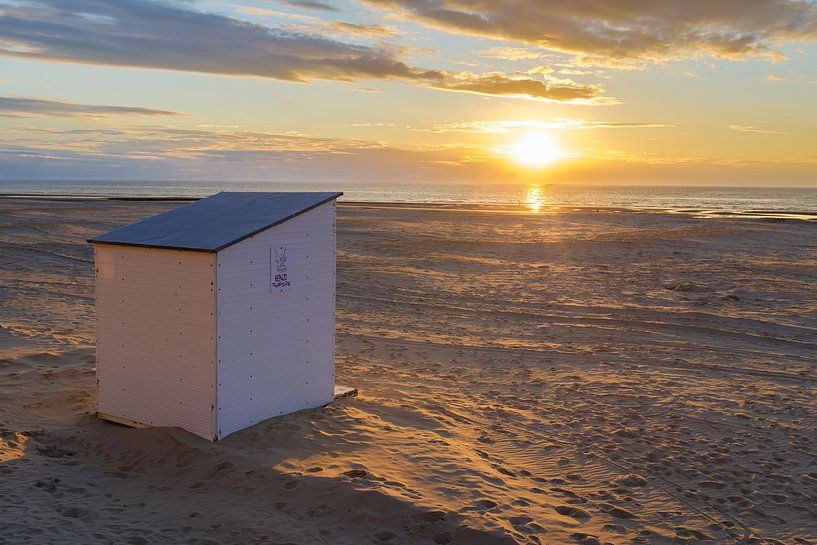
point(576, 378)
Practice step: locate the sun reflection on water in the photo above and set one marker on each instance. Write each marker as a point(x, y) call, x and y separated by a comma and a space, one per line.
point(535, 198)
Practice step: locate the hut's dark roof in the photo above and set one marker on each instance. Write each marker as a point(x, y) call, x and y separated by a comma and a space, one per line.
point(212, 224)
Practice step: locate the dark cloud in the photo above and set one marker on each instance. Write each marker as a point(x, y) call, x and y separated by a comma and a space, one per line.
point(504, 127)
point(162, 152)
point(171, 141)
point(618, 31)
point(501, 84)
point(310, 5)
point(149, 34)
point(359, 29)
point(24, 107)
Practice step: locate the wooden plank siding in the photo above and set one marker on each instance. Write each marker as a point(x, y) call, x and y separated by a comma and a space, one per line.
point(203, 341)
point(155, 336)
point(275, 349)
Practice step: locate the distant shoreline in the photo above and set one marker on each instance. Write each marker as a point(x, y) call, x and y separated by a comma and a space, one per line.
point(760, 214)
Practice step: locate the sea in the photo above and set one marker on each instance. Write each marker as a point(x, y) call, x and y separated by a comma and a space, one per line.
point(774, 202)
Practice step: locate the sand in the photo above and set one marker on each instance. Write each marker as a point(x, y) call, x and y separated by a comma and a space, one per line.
point(564, 376)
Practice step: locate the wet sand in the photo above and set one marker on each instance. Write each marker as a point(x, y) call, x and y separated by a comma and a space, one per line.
point(565, 376)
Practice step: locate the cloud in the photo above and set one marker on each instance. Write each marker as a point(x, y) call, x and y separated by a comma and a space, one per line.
point(749, 128)
point(510, 53)
point(505, 127)
point(574, 72)
point(162, 153)
point(152, 35)
point(149, 34)
point(622, 32)
point(172, 141)
point(266, 12)
point(26, 107)
point(370, 124)
point(360, 29)
point(309, 5)
point(774, 78)
point(498, 83)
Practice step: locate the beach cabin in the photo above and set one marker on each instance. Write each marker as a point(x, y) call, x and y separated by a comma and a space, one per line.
point(218, 314)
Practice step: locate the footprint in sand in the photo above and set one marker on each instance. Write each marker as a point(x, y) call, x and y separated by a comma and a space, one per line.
point(220, 469)
point(48, 485)
point(614, 528)
point(740, 501)
point(385, 535)
point(686, 533)
point(712, 484)
point(431, 516)
point(52, 451)
point(356, 473)
point(525, 525)
point(586, 539)
point(779, 498)
point(78, 513)
point(485, 504)
point(442, 538)
point(618, 512)
point(632, 481)
point(574, 512)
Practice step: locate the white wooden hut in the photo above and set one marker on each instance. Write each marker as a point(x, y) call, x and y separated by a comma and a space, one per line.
point(219, 314)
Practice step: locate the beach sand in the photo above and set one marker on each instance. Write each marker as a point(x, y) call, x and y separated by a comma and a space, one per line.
point(566, 376)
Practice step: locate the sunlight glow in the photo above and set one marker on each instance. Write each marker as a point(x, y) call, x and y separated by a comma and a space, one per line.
point(535, 198)
point(536, 150)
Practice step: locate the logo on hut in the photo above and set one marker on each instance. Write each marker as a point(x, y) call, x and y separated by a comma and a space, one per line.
point(280, 279)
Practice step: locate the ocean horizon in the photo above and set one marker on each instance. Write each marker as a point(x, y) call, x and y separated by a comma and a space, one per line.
point(727, 200)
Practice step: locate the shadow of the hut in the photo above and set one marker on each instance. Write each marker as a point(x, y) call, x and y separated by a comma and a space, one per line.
point(98, 482)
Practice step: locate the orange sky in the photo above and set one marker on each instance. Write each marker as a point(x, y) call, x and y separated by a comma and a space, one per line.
point(644, 92)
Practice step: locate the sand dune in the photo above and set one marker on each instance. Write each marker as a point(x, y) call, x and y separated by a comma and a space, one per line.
point(561, 377)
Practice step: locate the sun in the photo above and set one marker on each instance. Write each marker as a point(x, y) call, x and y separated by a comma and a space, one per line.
point(535, 150)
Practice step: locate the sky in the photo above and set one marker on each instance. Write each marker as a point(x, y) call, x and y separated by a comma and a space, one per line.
point(699, 92)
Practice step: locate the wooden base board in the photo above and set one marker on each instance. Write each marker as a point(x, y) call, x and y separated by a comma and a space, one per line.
point(344, 391)
point(340, 391)
point(122, 420)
